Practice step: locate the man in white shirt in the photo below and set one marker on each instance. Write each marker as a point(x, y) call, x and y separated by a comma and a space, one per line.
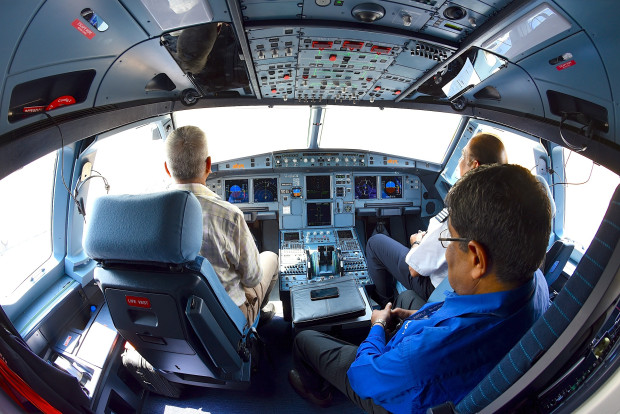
point(227, 243)
point(423, 267)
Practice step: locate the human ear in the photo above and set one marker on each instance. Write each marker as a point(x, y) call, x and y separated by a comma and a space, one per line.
point(166, 168)
point(479, 259)
point(208, 165)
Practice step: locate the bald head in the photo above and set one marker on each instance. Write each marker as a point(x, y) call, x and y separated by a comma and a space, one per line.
point(487, 149)
point(482, 149)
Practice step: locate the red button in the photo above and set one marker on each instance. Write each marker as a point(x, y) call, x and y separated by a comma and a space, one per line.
point(332, 57)
point(274, 90)
point(287, 77)
point(377, 88)
point(397, 92)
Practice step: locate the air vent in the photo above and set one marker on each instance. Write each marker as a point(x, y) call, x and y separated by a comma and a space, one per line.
point(430, 52)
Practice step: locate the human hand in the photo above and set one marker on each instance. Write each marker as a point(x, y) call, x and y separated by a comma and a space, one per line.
point(417, 237)
point(384, 314)
point(402, 313)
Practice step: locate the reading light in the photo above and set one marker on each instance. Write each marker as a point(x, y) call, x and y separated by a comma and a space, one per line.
point(368, 12)
point(454, 13)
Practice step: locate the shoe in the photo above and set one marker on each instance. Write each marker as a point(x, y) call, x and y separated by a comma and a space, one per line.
point(266, 314)
point(321, 400)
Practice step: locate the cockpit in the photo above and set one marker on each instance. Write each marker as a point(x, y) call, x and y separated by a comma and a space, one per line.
point(327, 122)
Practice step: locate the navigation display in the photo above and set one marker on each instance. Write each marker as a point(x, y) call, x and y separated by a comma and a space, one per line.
point(391, 187)
point(265, 190)
point(365, 187)
point(319, 214)
point(236, 191)
point(317, 187)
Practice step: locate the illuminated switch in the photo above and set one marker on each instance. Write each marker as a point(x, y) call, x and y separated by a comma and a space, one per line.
point(287, 77)
point(377, 88)
point(274, 90)
point(397, 92)
point(332, 57)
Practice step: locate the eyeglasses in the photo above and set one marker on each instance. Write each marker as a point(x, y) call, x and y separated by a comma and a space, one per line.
point(445, 238)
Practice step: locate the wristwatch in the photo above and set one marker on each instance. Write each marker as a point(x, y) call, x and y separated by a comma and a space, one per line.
point(380, 321)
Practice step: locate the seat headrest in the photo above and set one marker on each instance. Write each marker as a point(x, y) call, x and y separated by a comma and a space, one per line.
point(161, 227)
point(549, 194)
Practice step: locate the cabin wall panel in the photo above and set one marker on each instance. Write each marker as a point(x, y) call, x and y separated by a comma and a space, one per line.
point(12, 21)
point(517, 90)
point(51, 38)
point(129, 74)
point(585, 78)
point(99, 65)
point(603, 33)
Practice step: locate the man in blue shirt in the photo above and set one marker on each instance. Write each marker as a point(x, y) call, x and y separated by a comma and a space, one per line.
point(500, 219)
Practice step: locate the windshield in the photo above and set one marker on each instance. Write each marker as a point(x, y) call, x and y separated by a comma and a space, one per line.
point(422, 135)
point(235, 132)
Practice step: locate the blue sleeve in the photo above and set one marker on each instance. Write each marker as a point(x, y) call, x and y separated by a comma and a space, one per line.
point(384, 373)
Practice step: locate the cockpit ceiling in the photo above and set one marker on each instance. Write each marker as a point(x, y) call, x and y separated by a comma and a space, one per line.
point(442, 19)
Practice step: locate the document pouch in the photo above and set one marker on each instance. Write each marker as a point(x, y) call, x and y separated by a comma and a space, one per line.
point(308, 310)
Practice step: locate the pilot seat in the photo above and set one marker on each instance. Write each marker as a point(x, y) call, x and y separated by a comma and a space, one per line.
point(164, 299)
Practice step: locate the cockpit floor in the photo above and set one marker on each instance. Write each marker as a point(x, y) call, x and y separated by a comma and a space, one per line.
point(269, 391)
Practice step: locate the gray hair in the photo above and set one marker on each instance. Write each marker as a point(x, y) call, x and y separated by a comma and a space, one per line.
point(186, 152)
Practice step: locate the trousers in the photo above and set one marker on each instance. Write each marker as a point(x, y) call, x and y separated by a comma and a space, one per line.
point(322, 359)
point(386, 264)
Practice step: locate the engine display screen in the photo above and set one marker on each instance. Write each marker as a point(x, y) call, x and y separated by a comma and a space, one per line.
point(365, 187)
point(319, 214)
point(236, 191)
point(265, 190)
point(391, 187)
point(290, 236)
point(318, 187)
point(345, 234)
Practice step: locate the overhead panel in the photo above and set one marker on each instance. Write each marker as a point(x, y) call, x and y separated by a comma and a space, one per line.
point(304, 64)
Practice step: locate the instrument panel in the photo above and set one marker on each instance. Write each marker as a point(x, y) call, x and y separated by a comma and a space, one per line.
point(304, 200)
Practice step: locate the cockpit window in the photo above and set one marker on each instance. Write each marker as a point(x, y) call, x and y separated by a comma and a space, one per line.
point(25, 222)
point(402, 132)
point(534, 28)
point(588, 189)
point(235, 132)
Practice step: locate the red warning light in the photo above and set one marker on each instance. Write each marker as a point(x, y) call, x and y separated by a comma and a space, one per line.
point(351, 45)
point(379, 50)
point(322, 44)
point(332, 57)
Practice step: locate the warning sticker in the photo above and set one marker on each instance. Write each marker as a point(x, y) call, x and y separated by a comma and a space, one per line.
point(138, 301)
point(566, 65)
point(82, 28)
